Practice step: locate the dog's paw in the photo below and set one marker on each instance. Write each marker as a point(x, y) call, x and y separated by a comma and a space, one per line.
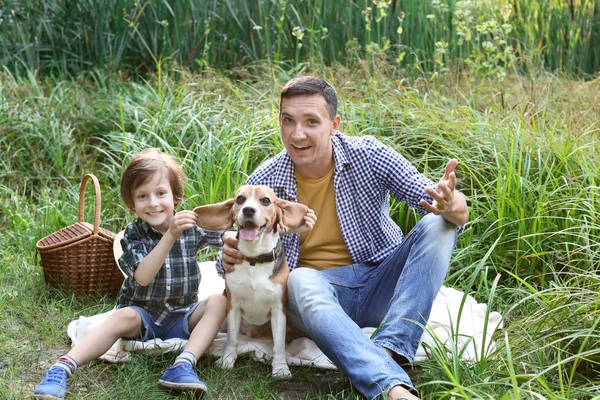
point(227, 361)
point(281, 371)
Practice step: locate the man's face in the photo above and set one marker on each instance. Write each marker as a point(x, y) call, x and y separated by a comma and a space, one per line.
point(306, 130)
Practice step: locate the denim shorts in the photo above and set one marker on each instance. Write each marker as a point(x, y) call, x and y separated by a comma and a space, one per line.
point(174, 326)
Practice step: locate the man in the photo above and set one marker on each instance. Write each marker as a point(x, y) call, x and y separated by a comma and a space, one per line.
point(360, 269)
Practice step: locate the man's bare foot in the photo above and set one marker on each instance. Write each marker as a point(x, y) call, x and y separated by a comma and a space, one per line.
point(401, 393)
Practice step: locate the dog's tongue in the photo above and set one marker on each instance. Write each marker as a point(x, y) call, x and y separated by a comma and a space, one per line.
point(249, 232)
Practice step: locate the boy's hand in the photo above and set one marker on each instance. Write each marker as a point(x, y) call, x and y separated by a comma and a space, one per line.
point(151, 264)
point(181, 221)
point(309, 222)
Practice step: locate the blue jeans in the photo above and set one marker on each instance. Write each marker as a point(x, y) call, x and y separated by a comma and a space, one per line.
point(332, 306)
point(175, 326)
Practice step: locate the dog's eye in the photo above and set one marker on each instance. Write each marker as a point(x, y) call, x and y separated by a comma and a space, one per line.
point(240, 199)
point(265, 201)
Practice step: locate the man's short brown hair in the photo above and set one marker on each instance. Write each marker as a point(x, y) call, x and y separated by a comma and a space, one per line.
point(142, 168)
point(311, 85)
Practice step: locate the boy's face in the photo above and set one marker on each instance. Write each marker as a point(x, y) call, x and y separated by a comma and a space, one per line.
point(153, 202)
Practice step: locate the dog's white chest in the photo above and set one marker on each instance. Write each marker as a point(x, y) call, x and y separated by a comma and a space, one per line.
point(251, 288)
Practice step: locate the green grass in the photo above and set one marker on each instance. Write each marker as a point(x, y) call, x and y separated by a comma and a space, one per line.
point(486, 37)
point(529, 165)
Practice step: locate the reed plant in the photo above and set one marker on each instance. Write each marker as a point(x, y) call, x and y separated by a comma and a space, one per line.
point(435, 36)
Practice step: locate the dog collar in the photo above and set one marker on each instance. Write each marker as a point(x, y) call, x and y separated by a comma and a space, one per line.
point(275, 255)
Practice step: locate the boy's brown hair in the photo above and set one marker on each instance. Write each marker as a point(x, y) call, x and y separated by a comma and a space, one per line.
point(141, 169)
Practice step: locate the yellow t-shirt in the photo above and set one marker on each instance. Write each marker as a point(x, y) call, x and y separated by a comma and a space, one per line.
point(323, 247)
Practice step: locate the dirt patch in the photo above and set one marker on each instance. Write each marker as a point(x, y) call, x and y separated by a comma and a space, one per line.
point(24, 366)
point(51, 355)
point(323, 383)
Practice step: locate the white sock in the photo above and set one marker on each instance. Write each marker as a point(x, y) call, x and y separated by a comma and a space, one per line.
point(188, 357)
point(68, 364)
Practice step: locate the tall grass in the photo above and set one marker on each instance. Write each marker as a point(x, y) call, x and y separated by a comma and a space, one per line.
point(532, 177)
point(560, 33)
point(487, 37)
point(529, 165)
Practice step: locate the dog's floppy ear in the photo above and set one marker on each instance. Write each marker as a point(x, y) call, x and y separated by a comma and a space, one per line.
point(290, 215)
point(215, 217)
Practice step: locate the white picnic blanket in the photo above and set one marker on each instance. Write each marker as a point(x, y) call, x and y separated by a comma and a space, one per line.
point(441, 328)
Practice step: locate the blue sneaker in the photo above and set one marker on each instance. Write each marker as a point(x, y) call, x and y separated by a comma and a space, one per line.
point(53, 386)
point(180, 377)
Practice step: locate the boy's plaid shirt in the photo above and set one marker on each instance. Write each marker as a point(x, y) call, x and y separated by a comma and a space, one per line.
point(175, 287)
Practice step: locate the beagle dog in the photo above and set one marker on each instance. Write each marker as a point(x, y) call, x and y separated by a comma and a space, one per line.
point(257, 288)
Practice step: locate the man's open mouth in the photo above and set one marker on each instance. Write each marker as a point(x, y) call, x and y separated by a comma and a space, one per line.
point(250, 231)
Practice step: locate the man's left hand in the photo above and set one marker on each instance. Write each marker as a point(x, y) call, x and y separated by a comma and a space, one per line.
point(446, 201)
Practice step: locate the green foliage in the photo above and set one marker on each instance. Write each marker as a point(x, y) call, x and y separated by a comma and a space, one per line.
point(486, 37)
point(559, 33)
point(528, 153)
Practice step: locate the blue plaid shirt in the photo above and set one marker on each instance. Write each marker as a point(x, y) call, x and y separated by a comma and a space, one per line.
point(174, 289)
point(365, 173)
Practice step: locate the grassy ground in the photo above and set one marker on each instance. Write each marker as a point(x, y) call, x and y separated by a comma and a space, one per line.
point(529, 164)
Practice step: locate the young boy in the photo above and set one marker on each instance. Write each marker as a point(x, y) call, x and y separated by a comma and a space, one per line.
point(158, 298)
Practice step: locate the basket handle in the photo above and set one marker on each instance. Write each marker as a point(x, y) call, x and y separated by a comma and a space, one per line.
point(97, 204)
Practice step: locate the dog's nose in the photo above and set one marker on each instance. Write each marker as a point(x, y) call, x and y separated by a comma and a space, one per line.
point(248, 211)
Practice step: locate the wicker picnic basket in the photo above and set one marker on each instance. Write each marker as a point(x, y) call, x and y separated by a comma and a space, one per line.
point(79, 258)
